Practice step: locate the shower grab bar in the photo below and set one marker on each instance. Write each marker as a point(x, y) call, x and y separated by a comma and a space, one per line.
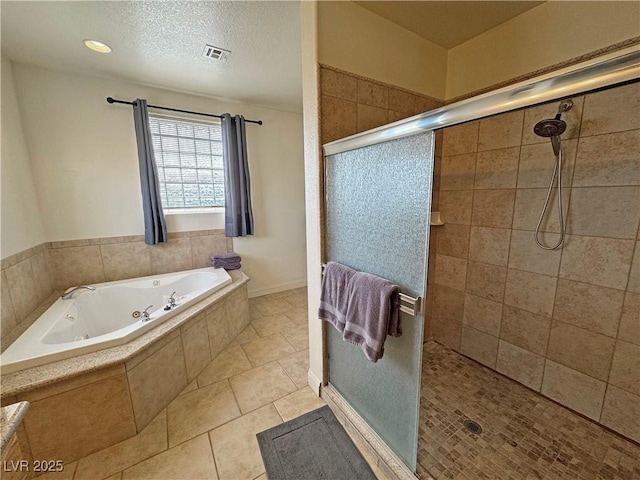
point(407, 303)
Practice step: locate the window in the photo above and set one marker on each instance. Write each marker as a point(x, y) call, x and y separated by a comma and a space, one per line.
point(189, 160)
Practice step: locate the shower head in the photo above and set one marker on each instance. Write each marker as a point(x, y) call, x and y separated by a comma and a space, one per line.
point(550, 127)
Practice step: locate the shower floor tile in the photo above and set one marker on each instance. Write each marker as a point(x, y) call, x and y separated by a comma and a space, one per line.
point(524, 437)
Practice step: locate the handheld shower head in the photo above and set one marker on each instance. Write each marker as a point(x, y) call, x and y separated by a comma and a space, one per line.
point(554, 127)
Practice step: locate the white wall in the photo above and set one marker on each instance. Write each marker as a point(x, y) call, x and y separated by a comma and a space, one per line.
point(85, 166)
point(355, 39)
point(22, 226)
point(550, 33)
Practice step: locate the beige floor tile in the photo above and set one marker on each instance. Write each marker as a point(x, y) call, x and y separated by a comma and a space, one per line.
point(245, 336)
point(298, 299)
point(198, 412)
point(115, 476)
point(190, 388)
point(271, 324)
point(300, 315)
point(267, 349)
point(297, 367)
point(298, 403)
point(66, 474)
point(261, 477)
point(298, 337)
point(272, 306)
point(151, 441)
point(260, 386)
point(190, 460)
point(235, 446)
point(231, 361)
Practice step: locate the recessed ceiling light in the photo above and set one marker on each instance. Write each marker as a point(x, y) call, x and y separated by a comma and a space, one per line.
point(97, 46)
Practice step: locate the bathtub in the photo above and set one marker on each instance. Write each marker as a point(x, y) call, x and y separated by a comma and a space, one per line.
point(110, 315)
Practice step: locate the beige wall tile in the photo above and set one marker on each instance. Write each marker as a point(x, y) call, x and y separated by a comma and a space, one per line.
point(199, 411)
point(73, 424)
point(630, 321)
point(192, 459)
point(621, 412)
point(525, 329)
point(455, 206)
point(426, 104)
point(529, 204)
point(576, 390)
point(338, 118)
point(634, 274)
point(261, 386)
point(581, 349)
point(486, 281)
point(173, 256)
point(453, 240)
point(611, 212)
point(217, 327)
point(339, 85)
point(489, 245)
point(501, 131)
point(460, 139)
point(451, 271)
point(524, 254)
point(402, 101)
point(76, 266)
point(43, 276)
point(237, 311)
point(482, 314)
point(298, 403)
point(151, 441)
point(587, 306)
point(156, 381)
point(611, 110)
point(203, 247)
point(497, 168)
point(457, 172)
point(231, 361)
point(530, 291)
point(370, 117)
point(599, 261)
point(373, 94)
point(493, 208)
point(533, 115)
point(480, 346)
point(126, 260)
point(8, 315)
point(20, 280)
point(537, 161)
point(395, 116)
point(235, 446)
point(625, 367)
point(195, 343)
point(520, 364)
point(446, 321)
point(608, 160)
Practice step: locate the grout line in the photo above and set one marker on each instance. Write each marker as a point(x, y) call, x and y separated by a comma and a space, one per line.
point(213, 454)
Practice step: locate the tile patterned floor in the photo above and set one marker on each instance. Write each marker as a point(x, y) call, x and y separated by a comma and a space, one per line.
point(525, 436)
point(208, 431)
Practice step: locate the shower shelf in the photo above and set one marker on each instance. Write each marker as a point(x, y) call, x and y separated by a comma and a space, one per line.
point(435, 219)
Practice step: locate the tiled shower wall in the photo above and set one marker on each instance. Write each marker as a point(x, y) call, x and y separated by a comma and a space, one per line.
point(30, 278)
point(563, 322)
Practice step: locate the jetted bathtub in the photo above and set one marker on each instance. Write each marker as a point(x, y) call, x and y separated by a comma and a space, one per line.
point(108, 316)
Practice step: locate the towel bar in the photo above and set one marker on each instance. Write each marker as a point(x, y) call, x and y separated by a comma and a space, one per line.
point(408, 304)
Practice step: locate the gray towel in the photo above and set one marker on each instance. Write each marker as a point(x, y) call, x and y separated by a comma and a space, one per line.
point(228, 261)
point(363, 307)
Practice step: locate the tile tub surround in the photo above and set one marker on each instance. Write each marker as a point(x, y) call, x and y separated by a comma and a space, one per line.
point(566, 322)
point(32, 279)
point(84, 404)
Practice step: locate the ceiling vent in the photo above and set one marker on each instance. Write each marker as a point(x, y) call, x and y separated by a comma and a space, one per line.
point(215, 52)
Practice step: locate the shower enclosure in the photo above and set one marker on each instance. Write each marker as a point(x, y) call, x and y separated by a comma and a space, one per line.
point(491, 285)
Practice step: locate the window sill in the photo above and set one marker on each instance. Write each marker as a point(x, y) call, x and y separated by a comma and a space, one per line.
point(193, 211)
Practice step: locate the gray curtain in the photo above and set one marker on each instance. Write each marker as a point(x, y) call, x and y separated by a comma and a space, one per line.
point(237, 186)
point(155, 227)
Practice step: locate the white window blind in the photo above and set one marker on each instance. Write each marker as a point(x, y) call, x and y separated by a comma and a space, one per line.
point(189, 159)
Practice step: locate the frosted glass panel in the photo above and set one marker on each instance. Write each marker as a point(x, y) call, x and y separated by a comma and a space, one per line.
point(378, 200)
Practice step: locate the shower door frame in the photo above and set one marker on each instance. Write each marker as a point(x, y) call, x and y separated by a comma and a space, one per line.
point(603, 72)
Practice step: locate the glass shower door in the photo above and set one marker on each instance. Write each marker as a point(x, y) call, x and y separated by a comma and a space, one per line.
point(378, 202)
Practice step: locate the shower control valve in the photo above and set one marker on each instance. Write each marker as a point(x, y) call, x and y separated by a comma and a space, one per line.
point(145, 314)
point(171, 302)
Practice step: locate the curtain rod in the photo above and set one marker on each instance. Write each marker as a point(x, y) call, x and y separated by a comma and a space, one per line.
point(113, 100)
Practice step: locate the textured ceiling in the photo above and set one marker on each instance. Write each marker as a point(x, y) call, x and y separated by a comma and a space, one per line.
point(448, 23)
point(161, 44)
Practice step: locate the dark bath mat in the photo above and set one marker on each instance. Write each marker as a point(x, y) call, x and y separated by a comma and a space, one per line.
point(313, 446)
